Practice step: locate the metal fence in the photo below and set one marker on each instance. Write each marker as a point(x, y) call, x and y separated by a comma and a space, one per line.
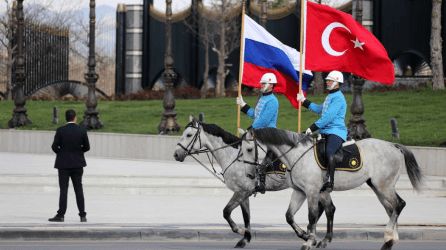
point(55, 57)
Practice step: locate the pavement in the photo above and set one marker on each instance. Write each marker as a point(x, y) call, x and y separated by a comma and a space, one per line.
point(120, 206)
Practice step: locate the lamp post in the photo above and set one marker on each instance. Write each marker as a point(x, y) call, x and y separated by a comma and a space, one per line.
point(263, 13)
point(169, 123)
point(19, 116)
point(356, 127)
point(91, 117)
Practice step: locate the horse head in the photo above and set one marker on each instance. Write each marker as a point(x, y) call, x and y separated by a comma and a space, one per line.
point(250, 148)
point(190, 141)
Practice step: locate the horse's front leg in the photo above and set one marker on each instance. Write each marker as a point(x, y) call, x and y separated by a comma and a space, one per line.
point(247, 219)
point(313, 211)
point(297, 199)
point(325, 203)
point(234, 202)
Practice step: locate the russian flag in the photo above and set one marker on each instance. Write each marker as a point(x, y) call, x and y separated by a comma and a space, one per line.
point(263, 53)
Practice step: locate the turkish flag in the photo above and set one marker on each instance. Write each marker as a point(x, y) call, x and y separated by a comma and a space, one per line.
point(335, 41)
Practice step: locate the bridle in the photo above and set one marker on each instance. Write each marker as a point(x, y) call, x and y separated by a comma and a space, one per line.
point(256, 151)
point(190, 151)
point(193, 141)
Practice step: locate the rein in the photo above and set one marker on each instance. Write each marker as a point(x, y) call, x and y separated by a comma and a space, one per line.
point(191, 152)
point(288, 169)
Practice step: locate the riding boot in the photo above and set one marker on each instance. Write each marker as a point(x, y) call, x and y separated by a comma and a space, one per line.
point(260, 184)
point(329, 179)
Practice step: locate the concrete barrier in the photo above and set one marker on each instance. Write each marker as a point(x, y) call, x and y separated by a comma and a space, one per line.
point(156, 147)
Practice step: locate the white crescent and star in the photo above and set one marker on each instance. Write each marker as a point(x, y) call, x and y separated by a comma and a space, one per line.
point(326, 39)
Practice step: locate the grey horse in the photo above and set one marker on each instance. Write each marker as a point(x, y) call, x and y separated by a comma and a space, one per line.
point(225, 148)
point(383, 163)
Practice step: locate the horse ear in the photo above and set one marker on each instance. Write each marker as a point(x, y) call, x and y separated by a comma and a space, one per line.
point(251, 132)
point(192, 118)
point(241, 131)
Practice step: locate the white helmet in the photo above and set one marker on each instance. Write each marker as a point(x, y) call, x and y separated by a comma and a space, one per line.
point(335, 76)
point(268, 78)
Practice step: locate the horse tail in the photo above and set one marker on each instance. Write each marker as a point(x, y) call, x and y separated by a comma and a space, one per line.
point(413, 170)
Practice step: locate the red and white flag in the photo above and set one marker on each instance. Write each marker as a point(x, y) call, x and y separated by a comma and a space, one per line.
point(335, 41)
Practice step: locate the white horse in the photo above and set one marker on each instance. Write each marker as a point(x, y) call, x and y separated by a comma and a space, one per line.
point(225, 148)
point(383, 163)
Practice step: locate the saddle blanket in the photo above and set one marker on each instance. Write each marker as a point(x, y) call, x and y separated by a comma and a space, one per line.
point(277, 168)
point(351, 161)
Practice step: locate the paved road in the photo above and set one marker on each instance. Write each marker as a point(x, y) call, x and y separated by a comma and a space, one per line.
point(140, 217)
point(212, 245)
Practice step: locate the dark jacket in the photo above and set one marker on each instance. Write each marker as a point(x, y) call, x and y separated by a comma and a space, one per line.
point(70, 144)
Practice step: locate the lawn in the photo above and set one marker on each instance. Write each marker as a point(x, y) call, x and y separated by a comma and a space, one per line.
point(420, 114)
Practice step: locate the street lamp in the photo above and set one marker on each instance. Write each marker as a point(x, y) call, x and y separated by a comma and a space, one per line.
point(91, 118)
point(169, 122)
point(356, 127)
point(19, 116)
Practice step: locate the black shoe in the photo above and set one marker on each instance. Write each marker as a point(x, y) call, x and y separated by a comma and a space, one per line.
point(83, 219)
point(56, 219)
point(328, 186)
point(260, 188)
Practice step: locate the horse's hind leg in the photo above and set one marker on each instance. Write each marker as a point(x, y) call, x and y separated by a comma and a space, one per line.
point(246, 218)
point(297, 199)
point(235, 201)
point(388, 207)
point(325, 203)
point(397, 204)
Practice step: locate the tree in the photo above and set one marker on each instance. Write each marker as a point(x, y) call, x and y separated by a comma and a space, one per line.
point(35, 15)
point(226, 37)
point(436, 48)
point(202, 25)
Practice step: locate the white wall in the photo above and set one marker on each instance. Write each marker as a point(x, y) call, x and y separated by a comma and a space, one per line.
point(160, 147)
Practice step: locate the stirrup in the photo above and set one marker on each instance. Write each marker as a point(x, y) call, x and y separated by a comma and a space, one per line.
point(260, 188)
point(328, 186)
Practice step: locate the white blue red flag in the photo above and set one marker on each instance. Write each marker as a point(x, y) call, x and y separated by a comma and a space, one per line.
point(263, 53)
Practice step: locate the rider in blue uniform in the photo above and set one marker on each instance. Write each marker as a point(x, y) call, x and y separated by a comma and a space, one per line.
point(332, 122)
point(264, 115)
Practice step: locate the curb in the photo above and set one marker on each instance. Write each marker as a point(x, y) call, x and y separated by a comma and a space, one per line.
point(201, 235)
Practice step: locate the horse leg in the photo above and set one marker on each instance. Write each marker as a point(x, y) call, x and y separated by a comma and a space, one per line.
point(325, 203)
point(246, 218)
point(389, 209)
point(297, 199)
point(313, 210)
point(234, 202)
point(390, 195)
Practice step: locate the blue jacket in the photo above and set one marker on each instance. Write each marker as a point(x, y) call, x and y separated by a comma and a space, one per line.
point(333, 115)
point(265, 114)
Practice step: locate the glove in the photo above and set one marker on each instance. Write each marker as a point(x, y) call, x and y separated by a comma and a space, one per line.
point(308, 132)
point(300, 97)
point(241, 102)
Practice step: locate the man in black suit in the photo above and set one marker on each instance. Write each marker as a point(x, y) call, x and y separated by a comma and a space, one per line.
point(70, 144)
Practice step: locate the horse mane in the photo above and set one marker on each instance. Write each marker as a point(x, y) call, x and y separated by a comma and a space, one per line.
point(215, 130)
point(279, 137)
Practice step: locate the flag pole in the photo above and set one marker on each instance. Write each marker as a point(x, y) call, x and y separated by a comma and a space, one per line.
point(301, 58)
point(241, 65)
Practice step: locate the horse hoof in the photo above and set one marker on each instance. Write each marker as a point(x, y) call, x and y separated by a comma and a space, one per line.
point(321, 244)
point(305, 247)
point(241, 244)
point(388, 245)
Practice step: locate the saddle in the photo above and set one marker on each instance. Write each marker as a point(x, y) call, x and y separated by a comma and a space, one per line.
point(348, 157)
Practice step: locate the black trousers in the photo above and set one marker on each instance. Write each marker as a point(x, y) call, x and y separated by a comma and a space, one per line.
point(64, 179)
